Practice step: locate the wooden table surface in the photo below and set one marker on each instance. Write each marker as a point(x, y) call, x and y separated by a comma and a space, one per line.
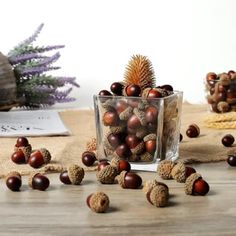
point(62, 209)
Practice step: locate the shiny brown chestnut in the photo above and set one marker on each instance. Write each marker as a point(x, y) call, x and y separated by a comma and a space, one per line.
point(227, 140)
point(18, 157)
point(13, 181)
point(151, 114)
point(104, 93)
point(88, 158)
point(200, 187)
point(110, 118)
point(123, 165)
point(150, 146)
point(123, 151)
point(40, 182)
point(39, 158)
point(153, 93)
point(193, 131)
point(129, 180)
point(133, 90)
point(117, 88)
point(114, 140)
point(167, 87)
point(133, 122)
point(22, 142)
point(231, 160)
point(102, 164)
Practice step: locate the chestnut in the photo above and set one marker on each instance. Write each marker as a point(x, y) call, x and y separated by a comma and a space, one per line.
point(123, 165)
point(73, 175)
point(22, 142)
point(231, 160)
point(123, 151)
point(151, 114)
point(88, 158)
point(227, 140)
point(133, 122)
point(211, 78)
point(150, 146)
point(132, 140)
point(110, 118)
point(114, 140)
point(102, 164)
point(193, 131)
point(153, 93)
point(104, 93)
point(39, 158)
point(117, 88)
point(133, 90)
point(200, 187)
point(39, 181)
point(167, 87)
point(129, 180)
point(18, 157)
point(98, 202)
point(13, 181)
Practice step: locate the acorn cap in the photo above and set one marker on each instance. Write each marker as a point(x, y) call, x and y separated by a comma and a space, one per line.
point(164, 169)
point(141, 132)
point(134, 158)
point(115, 161)
point(141, 116)
point(121, 178)
point(149, 184)
point(99, 202)
point(146, 157)
point(109, 104)
point(107, 175)
point(143, 104)
point(146, 92)
point(31, 176)
point(179, 172)
point(75, 174)
point(46, 155)
point(190, 182)
point(118, 129)
point(26, 150)
point(138, 149)
point(13, 173)
point(149, 137)
point(126, 114)
point(91, 145)
point(158, 196)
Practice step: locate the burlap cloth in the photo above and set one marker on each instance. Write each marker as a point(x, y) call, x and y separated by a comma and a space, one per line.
point(66, 150)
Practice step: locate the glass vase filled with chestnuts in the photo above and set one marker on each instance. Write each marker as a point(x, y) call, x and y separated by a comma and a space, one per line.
point(137, 120)
point(221, 91)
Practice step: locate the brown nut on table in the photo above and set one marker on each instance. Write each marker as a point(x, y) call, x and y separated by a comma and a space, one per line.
point(149, 184)
point(88, 158)
point(164, 169)
point(19, 157)
point(181, 172)
point(98, 202)
point(129, 180)
point(13, 181)
point(38, 181)
point(195, 185)
point(73, 175)
point(39, 157)
point(158, 196)
point(193, 131)
point(107, 174)
point(120, 164)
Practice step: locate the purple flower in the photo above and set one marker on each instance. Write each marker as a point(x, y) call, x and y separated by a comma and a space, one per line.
point(35, 70)
point(25, 57)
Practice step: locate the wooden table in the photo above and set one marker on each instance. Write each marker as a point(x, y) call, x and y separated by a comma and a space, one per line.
point(62, 209)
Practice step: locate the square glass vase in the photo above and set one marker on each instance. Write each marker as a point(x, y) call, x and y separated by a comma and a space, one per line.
point(140, 130)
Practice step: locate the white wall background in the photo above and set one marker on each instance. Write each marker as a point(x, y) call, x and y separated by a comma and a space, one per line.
point(184, 39)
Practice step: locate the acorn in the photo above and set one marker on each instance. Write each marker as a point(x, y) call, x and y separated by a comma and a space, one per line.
point(73, 175)
point(164, 169)
point(88, 158)
point(39, 157)
point(193, 131)
point(22, 144)
point(195, 185)
point(120, 164)
point(107, 175)
point(149, 184)
point(158, 196)
point(38, 181)
point(129, 180)
point(181, 172)
point(98, 202)
point(135, 144)
point(110, 118)
point(150, 143)
point(13, 181)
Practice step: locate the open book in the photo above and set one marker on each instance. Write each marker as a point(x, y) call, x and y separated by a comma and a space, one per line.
point(31, 123)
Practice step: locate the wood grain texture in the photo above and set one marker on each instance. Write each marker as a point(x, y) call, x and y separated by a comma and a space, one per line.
point(62, 210)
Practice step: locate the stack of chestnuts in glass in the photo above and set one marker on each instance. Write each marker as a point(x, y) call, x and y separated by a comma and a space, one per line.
point(221, 91)
point(132, 123)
